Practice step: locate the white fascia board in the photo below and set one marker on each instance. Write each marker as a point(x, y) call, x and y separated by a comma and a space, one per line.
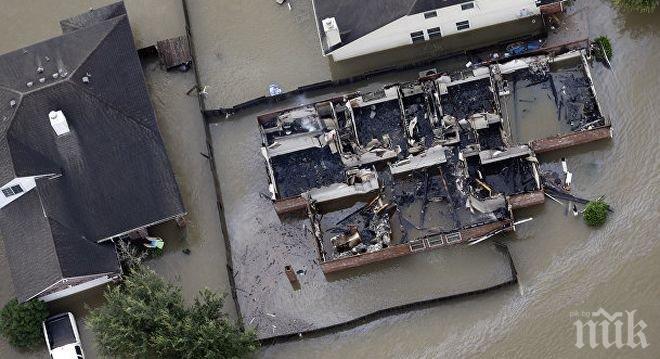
point(79, 288)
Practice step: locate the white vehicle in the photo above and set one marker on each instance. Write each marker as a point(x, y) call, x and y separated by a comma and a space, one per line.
point(62, 337)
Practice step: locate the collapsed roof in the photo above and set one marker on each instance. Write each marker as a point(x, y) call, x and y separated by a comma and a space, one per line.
point(422, 163)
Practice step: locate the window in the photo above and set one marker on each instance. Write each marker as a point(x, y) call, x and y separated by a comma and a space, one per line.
point(430, 14)
point(462, 25)
point(467, 6)
point(417, 36)
point(13, 190)
point(434, 32)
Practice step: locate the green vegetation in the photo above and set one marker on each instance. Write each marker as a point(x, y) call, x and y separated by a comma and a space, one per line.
point(20, 323)
point(643, 6)
point(595, 212)
point(602, 43)
point(145, 317)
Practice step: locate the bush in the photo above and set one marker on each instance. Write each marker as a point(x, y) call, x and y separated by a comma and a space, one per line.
point(595, 213)
point(145, 317)
point(603, 43)
point(20, 323)
point(643, 6)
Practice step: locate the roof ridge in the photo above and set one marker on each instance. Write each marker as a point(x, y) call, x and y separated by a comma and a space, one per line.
point(25, 145)
point(117, 20)
point(91, 93)
point(52, 238)
point(11, 90)
point(65, 226)
point(96, 47)
point(412, 6)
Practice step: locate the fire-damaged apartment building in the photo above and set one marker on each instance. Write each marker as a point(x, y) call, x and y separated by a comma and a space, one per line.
point(439, 161)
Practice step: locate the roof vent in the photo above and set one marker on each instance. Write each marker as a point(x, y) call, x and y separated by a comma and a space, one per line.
point(331, 30)
point(58, 122)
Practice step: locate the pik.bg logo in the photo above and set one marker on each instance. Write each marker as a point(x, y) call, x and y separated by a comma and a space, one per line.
point(593, 329)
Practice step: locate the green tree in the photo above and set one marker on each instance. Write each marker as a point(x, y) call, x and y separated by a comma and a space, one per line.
point(20, 323)
point(145, 317)
point(643, 6)
point(595, 213)
point(603, 44)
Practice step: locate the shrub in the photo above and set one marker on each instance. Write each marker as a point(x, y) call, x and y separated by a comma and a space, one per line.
point(603, 43)
point(595, 213)
point(145, 317)
point(643, 6)
point(20, 323)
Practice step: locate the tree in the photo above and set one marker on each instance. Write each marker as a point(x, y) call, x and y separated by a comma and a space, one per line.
point(20, 323)
point(643, 6)
point(603, 48)
point(595, 212)
point(145, 317)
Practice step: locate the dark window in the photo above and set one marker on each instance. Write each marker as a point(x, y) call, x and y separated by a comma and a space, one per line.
point(10, 191)
point(467, 6)
point(434, 32)
point(430, 14)
point(462, 25)
point(417, 36)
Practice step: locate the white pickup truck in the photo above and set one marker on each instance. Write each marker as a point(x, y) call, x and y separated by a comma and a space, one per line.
point(62, 337)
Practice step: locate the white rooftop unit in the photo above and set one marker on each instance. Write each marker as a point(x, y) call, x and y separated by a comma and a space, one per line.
point(58, 122)
point(331, 30)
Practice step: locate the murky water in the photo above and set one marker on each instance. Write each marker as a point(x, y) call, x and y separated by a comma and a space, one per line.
point(562, 265)
point(244, 46)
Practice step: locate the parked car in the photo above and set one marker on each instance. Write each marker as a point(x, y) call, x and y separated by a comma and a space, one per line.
point(62, 337)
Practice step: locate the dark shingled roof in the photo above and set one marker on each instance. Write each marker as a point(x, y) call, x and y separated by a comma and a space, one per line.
point(115, 173)
point(356, 18)
point(94, 16)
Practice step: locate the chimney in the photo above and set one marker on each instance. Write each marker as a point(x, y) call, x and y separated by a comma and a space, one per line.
point(58, 122)
point(331, 30)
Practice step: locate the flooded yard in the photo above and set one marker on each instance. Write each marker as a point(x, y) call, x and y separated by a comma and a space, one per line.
point(562, 265)
point(243, 47)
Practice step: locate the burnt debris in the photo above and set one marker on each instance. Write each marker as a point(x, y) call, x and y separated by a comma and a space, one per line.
point(420, 164)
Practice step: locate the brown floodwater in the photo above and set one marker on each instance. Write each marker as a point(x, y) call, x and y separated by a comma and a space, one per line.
point(562, 265)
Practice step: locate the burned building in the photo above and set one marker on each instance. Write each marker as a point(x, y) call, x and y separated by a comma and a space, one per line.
point(422, 164)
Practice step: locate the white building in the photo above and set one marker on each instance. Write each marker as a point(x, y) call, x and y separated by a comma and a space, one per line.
point(351, 28)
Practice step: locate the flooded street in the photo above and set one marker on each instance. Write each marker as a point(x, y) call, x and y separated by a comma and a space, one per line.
point(562, 265)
